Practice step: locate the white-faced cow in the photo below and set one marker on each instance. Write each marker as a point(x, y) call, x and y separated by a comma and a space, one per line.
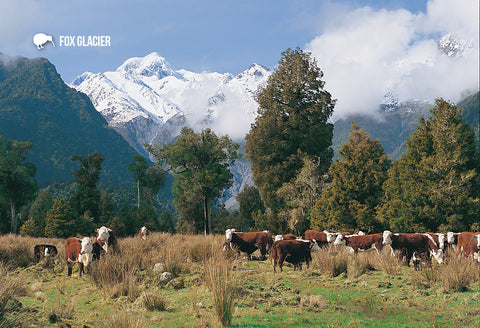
point(452, 240)
point(469, 244)
point(143, 233)
point(107, 239)
point(288, 236)
point(407, 243)
point(293, 251)
point(248, 242)
point(80, 251)
point(438, 238)
point(360, 242)
point(44, 251)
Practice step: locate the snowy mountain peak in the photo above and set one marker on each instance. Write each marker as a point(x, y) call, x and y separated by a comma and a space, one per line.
point(452, 47)
point(150, 65)
point(254, 70)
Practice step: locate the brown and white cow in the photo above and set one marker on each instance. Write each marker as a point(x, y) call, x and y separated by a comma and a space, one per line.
point(288, 236)
point(360, 242)
point(44, 251)
point(293, 251)
point(469, 244)
point(322, 238)
point(248, 242)
point(408, 243)
point(80, 251)
point(143, 233)
point(107, 239)
point(452, 240)
point(438, 238)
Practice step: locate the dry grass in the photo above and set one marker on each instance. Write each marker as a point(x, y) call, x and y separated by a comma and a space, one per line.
point(124, 318)
point(154, 301)
point(385, 261)
point(331, 264)
point(220, 279)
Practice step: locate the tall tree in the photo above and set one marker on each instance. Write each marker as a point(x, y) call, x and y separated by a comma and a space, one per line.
point(86, 199)
point(17, 186)
point(434, 186)
point(200, 163)
point(291, 124)
point(149, 179)
point(355, 188)
point(35, 225)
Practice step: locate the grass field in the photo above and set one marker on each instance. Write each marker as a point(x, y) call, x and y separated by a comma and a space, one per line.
point(211, 288)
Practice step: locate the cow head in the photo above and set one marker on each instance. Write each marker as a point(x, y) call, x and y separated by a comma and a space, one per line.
point(476, 239)
point(438, 255)
point(331, 236)
point(103, 234)
point(451, 237)
point(441, 240)
point(387, 237)
point(314, 246)
point(86, 243)
point(277, 238)
point(229, 234)
point(339, 240)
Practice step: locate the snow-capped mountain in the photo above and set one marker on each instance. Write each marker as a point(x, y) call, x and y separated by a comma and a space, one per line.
point(147, 101)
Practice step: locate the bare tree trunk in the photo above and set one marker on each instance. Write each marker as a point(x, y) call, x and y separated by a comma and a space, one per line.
point(138, 194)
point(207, 224)
point(14, 217)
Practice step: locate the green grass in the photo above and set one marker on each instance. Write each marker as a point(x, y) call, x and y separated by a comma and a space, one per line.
point(305, 298)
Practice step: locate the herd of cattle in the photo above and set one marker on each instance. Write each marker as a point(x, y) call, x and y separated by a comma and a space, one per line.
point(84, 251)
point(415, 247)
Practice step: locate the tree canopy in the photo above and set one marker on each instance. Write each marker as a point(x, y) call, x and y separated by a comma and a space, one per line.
point(17, 186)
point(291, 124)
point(434, 186)
point(200, 165)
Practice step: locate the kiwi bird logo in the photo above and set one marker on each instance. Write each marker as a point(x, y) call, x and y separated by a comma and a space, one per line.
point(41, 38)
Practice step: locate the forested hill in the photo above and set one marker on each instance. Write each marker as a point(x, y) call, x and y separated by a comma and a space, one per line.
point(37, 106)
point(395, 125)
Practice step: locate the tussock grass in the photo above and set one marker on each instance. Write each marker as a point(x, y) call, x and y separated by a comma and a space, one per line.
point(124, 318)
point(220, 279)
point(10, 289)
point(457, 274)
point(331, 264)
point(115, 274)
point(154, 301)
point(385, 261)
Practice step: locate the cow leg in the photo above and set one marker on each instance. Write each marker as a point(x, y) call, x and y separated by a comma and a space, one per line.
point(69, 269)
point(281, 260)
point(80, 267)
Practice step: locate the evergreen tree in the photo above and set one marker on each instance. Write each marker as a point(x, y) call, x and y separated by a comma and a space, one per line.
point(200, 163)
point(250, 203)
point(35, 225)
point(60, 221)
point(291, 125)
point(355, 188)
point(17, 186)
point(434, 187)
point(87, 197)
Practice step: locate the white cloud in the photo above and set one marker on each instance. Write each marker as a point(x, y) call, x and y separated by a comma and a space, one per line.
point(368, 53)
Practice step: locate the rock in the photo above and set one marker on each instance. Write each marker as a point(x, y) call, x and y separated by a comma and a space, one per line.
point(166, 277)
point(159, 268)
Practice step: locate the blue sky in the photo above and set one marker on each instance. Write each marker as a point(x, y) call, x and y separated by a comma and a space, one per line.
point(213, 35)
point(349, 38)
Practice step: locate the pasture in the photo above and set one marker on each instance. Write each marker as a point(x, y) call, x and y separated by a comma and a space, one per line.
point(209, 287)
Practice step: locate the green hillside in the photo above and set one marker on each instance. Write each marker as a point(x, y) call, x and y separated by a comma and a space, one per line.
point(37, 106)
